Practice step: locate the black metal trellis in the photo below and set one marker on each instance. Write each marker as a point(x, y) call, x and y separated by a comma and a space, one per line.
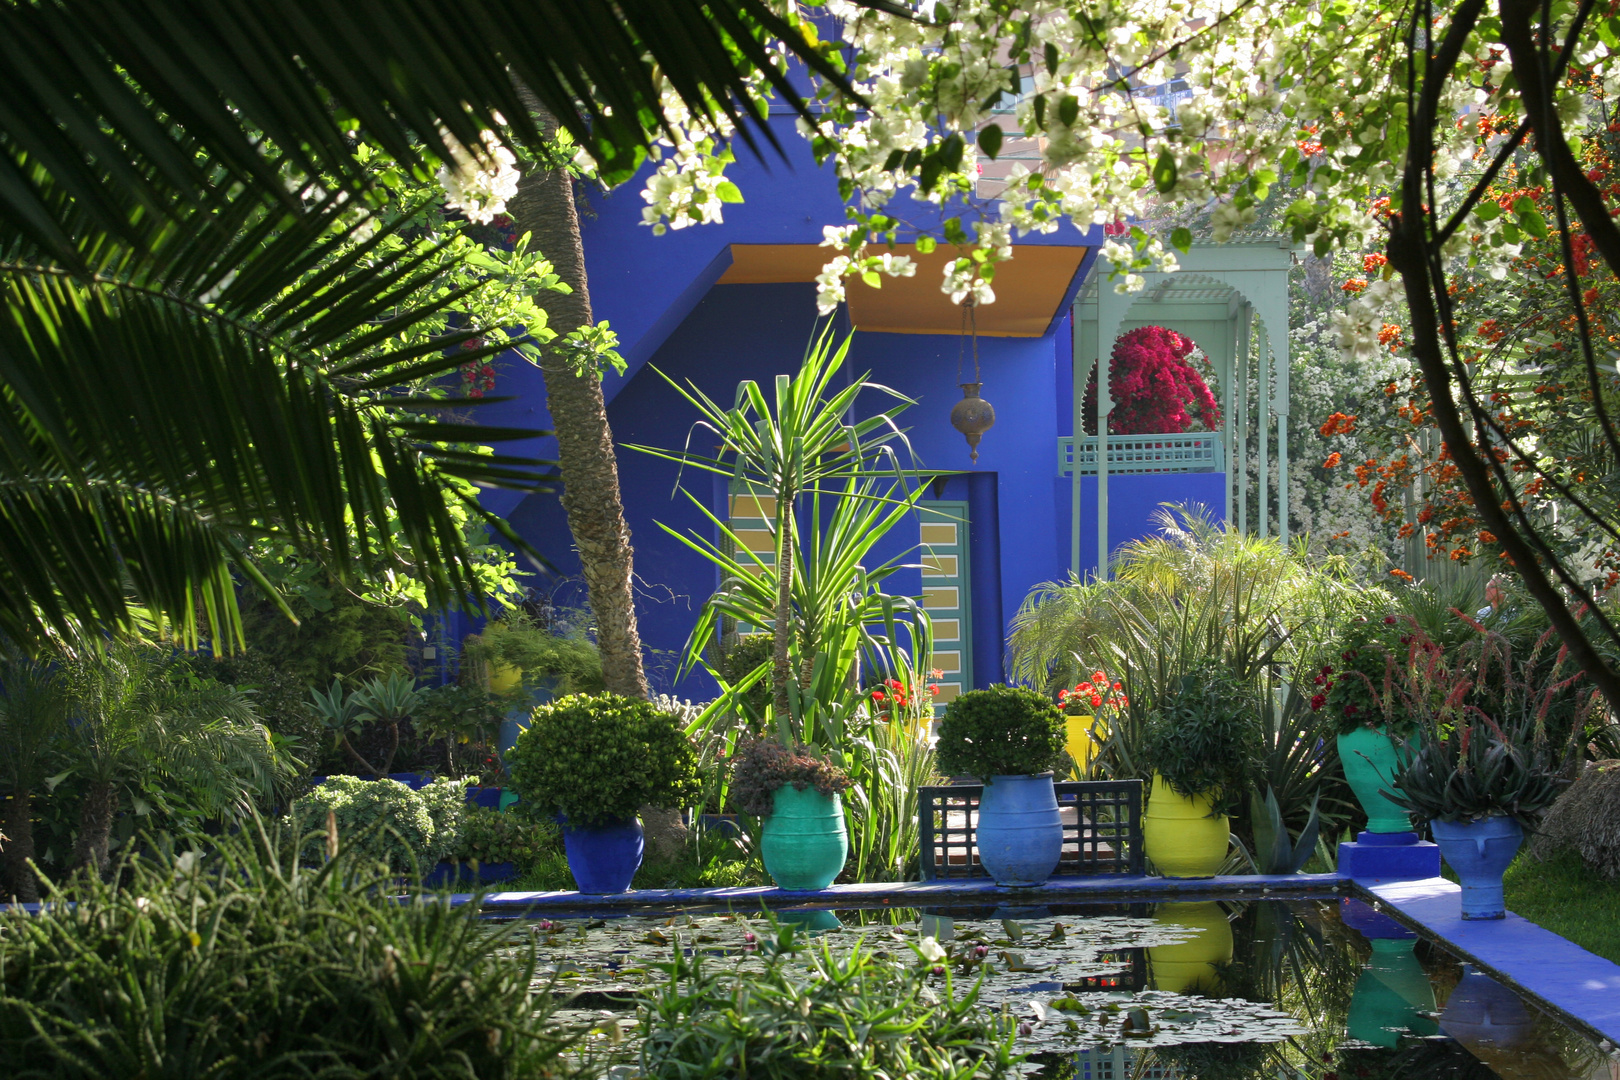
point(1102, 828)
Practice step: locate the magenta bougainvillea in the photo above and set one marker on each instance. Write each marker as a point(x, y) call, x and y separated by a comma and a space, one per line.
point(1154, 389)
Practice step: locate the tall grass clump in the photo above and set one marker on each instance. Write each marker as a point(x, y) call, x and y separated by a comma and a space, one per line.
point(240, 963)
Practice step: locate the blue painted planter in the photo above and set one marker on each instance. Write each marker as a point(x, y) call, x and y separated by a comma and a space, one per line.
point(454, 873)
point(1020, 834)
point(1479, 851)
point(603, 858)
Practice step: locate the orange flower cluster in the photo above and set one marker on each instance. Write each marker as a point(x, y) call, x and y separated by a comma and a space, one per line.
point(1339, 424)
point(1354, 286)
point(1390, 335)
point(1332, 461)
point(1098, 693)
point(891, 695)
point(1308, 143)
point(1372, 264)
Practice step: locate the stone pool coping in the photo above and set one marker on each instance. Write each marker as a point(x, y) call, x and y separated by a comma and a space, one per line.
point(1580, 985)
point(1097, 887)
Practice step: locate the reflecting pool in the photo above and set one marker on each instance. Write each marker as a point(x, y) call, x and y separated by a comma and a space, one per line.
point(1326, 989)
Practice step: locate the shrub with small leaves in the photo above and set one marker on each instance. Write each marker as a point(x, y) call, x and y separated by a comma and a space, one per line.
point(761, 766)
point(1205, 736)
point(489, 836)
point(598, 759)
point(385, 820)
point(1000, 731)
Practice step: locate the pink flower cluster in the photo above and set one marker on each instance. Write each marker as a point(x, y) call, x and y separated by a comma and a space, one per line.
point(1153, 386)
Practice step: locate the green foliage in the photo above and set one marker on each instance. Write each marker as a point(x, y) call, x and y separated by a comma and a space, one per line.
point(1473, 772)
point(600, 759)
point(385, 821)
point(762, 766)
point(1000, 731)
point(571, 661)
point(462, 716)
point(490, 836)
point(1357, 678)
point(1275, 852)
point(887, 762)
point(1204, 738)
point(240, 963)
point(279, 696)
point(337, 634)
point(750, 653)
point(813, 1013)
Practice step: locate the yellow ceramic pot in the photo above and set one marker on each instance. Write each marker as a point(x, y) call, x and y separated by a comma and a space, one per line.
point(1192, 964)
point(504, 678)
point(1085, 736)
point(1179, 834)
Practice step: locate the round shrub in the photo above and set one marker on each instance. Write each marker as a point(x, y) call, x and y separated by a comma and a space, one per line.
point(762, 766)
point(1000, 731)
point(598, 759)
point(385, 820)
point(490, 836)
point(1204, 738)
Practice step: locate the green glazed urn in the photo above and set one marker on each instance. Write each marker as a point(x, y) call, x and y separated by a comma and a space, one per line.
point(803, 842)
point(1371, 761)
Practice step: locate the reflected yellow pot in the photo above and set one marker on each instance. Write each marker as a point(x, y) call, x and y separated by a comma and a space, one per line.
point(504, 678)
point(1179, 834)
point(1085, 736)
point(1192, 964)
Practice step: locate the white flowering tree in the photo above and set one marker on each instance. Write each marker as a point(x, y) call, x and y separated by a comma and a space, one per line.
point(1385, 94)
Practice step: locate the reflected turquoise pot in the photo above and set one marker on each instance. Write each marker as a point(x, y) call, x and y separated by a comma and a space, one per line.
point(1393, 996)
point(814, 922)
point(1480, 852)
point(1019, 832)
point(1370, 762)
point(803, 842)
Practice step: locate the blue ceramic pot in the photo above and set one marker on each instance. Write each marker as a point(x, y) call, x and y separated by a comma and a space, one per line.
point(1020, 834)
point(603, 858)
point(1479, 851)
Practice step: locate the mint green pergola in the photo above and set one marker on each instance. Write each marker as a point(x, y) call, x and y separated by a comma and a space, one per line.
point(1232, 300)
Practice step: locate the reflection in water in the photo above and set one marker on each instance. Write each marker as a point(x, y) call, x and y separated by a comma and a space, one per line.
point(1238, 990)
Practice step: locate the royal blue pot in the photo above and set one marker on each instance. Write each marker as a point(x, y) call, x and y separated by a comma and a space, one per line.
point(1479, 851)
point(603, 858)
point(1020, 834)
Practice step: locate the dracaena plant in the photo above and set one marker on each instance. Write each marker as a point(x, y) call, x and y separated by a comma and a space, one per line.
point(1483, 746)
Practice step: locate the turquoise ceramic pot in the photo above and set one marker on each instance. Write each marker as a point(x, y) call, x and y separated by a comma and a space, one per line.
point(1480, 852)
point(1019, 832)
point(1370, 764)
point(803, 842)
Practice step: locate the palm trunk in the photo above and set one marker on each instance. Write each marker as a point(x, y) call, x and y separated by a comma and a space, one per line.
point(90, 851)
point(19, 830)
point(544, 207)
point(782, 634)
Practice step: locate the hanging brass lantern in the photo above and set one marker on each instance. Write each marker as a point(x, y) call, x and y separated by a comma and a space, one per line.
point(973, 416)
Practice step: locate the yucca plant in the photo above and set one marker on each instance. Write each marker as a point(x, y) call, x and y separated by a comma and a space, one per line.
point(797, 446)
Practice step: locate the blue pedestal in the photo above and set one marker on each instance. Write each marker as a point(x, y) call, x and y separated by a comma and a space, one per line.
point(1374, 857)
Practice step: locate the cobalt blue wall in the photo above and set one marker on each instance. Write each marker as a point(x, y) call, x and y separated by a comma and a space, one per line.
point(1133, 501)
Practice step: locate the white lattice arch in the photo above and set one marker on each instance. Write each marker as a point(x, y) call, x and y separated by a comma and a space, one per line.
point(1217, 295)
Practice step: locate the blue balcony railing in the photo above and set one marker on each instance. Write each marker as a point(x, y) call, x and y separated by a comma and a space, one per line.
point(1193, 451)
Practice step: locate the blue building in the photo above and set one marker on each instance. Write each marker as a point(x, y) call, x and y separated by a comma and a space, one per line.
point(720, 303)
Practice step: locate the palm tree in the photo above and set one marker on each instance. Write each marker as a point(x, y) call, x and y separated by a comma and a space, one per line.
point(134, 719)
point(201, 340)
point(33, 717)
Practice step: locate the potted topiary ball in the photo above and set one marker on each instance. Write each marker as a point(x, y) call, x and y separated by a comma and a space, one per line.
point(1203, 743)
point(592, 762)
point(803, 841)
point(1010, 738)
